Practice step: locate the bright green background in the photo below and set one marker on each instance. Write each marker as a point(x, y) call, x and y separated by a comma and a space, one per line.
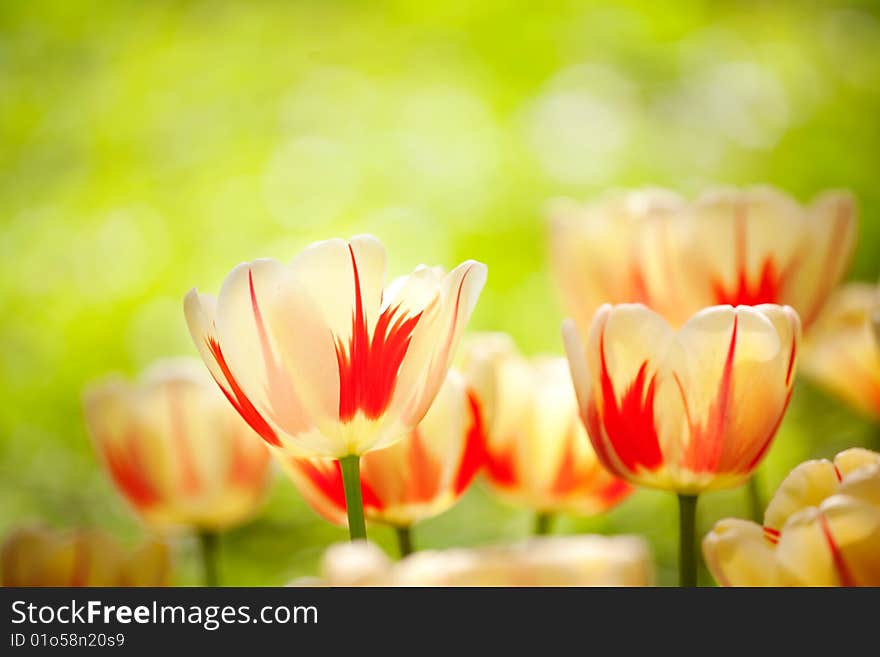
point(146, 148)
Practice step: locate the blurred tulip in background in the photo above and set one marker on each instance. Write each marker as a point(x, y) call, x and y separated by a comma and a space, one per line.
point(586, 560)
point(842, 354)
point(538, 453)
point(729, 246)
point(39, 556)
point(418, 477)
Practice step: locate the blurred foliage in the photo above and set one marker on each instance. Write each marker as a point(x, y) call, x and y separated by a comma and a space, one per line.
point(148, 147)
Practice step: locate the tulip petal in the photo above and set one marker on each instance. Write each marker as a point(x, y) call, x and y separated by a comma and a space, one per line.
point(832, 227)
point(805, 486)
point(250, 348)
point(627, 424)
point(734, 370)
point(737, 554)
point(201, 312)
point(433, 344)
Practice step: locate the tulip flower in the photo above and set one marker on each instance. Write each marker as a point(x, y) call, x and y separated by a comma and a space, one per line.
point(538, 453)
point(540, 561)
point(822, 528)
point(843, 352)
point(323, 360)
point(738, 247)
point(37, 556)
point(177, 453)
point(688, 411)
point(417, 478)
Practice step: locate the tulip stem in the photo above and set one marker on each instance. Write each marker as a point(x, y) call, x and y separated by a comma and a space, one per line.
point(687, 540)
point(354, 503)
point(543, 523)
point(404, 540)
point(756, 504)
point(210, 546)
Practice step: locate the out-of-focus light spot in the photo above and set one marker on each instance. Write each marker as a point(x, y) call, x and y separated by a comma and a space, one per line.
point(580, 126)
point(331, 101)
point(311, 180)
point(158, 329)
point(747, 103)
point(120, 255)
point(740, 101)
point(446, 146)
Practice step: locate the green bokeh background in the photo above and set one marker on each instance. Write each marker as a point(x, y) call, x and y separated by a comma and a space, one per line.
point(146, 148)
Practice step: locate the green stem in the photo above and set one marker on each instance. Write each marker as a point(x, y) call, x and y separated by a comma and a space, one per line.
point(210, 548)
point(354, 503)
point(756, 504)
point(687, 540)
point(543, 523)
point(404, 540)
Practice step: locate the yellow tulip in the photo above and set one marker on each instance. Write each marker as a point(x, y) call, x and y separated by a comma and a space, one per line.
point(175, 450)
point(538, 453)
point(729, 246)
point(842, 352)
point(688, 410)
point(36, 556)
point(822, 528)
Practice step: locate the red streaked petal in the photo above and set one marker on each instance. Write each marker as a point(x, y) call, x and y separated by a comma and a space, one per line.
point(474, 456)
point(239, 400)
point(629, 423)
point(369, 366)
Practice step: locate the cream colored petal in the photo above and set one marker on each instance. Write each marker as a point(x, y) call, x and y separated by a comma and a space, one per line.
point(737, 554)
point(433, 346)
point(135, 455)
point(853, 524)
point(308, 352)
point(634, 414)
point(479, 358)
point(831, 226)
point(201, 313)
point(620, 249)
point(328, 271)
point(805, 486)
point(549, 430)
point(743, 245)
point(853, 459)
point(834, 545)
point(842, 354)
point(414, 478)
point(247, 336)
point(804, 552)
point(863, 484)
point(578, 366)
point(358, 563)
point(734, 368)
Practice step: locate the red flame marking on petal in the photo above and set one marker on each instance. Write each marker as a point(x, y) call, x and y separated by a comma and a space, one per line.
point(843, 572)
point(630, 426)
point(368, 368)
point(239, 400)
point(766, 288)
point(474, 457)
point(327, 479)
point(128, 469)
